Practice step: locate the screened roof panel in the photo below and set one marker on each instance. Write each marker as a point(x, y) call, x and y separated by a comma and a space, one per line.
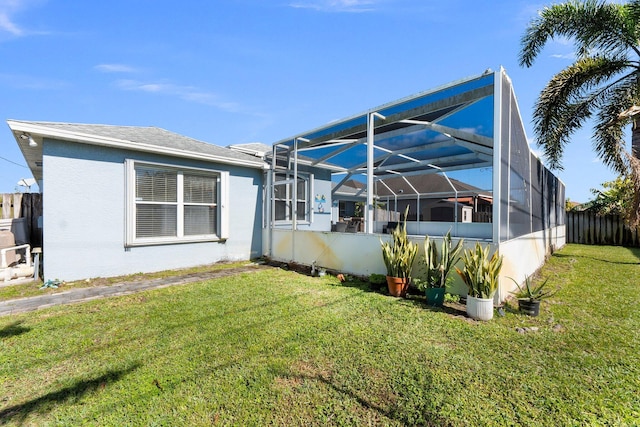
point(449, 127)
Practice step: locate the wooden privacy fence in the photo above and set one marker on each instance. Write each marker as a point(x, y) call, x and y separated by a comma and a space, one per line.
point(591, 229)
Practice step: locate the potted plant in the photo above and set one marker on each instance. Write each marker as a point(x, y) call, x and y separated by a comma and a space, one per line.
point(529, 296)
point(480, 274)
point(399, 256)
point(438, 267)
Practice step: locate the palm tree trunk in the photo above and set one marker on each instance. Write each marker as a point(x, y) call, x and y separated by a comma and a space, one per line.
point(634, 161)
point(635, 138)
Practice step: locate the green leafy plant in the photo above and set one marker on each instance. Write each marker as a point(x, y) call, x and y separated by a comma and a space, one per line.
point(377, 279)
point(419, 283)
point(451, 297)
point(399, 254)
point(480, 272)
point(531, 292)
point(439, 265)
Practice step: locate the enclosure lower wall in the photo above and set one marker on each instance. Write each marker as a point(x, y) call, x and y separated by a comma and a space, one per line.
point(360, 254)
point(524, 255)
point(352, 253)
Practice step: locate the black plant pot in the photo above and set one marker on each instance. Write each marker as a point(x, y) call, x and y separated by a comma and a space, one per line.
point(530, 308)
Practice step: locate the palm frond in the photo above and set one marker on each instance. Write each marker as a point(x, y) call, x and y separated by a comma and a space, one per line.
point(608, 138)
point(569, 99)
point(594, 26)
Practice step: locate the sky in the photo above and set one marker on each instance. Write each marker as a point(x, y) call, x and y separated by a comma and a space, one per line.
point(237, 71)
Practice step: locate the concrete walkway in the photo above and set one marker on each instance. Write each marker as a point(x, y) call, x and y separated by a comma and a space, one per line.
point(85, 294)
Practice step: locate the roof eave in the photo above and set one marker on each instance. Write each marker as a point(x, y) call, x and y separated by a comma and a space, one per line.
point(83, 138)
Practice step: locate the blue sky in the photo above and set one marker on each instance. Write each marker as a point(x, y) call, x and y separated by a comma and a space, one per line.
point(237, 71)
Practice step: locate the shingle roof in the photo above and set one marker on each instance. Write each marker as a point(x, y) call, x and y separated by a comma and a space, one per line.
point(147, 135)
point(148, 139)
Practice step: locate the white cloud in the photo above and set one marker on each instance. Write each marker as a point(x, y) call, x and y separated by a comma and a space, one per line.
point(570, 56)
point(115, 68)
point(8, 24)
point(187, 93)
point(350, 6)
point(8, 8)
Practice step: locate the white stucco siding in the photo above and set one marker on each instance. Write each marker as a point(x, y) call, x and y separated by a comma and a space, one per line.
point(84, 216)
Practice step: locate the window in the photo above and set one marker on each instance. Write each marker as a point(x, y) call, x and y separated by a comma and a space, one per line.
point(283, 197)
point(167, 204)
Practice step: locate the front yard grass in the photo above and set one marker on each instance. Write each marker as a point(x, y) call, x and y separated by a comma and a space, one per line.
point(277, 348)
point(33, 288)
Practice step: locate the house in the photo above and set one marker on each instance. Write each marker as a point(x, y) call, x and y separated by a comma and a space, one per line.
point(120, 200)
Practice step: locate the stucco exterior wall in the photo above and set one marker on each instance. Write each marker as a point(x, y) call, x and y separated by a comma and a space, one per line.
point(84, 215)
point(353, 253)
point(524, 255)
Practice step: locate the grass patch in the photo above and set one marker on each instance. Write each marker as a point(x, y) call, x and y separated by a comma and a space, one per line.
point(30, 289)
point(275, 347)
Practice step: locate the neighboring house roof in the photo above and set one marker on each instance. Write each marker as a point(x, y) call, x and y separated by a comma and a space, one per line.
point(424, 185)
point(418, 184)
point(349, 188)
point(147, 139)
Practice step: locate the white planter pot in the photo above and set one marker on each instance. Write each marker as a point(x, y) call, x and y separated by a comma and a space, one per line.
point(479, 308)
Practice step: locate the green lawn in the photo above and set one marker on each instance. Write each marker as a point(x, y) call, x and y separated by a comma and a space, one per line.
point(32, 288)
point(278, 348)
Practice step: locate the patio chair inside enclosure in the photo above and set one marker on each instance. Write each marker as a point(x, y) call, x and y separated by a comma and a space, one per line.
point(15, 260)
point(388, 229)
point(341, 227)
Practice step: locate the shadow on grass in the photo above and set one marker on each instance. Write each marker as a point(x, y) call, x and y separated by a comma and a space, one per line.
point(635, 251)
point(395, 410)
point(19, 413)
point(414, 297)
point(451, 308)
point(13, 329)
point(364, 286)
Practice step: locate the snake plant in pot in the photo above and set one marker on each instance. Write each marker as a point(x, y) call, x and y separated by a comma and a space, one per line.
point(438, 267)
point(529, 296)
point(480, 274)
point(399, 256)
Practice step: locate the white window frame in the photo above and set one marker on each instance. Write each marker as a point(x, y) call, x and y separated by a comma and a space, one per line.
point(308, 214)
point(222, 203)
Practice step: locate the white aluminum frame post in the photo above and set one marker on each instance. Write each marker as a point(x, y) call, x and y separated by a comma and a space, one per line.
point(371, 117)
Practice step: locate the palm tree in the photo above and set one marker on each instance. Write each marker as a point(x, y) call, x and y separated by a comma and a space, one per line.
point(603, 84)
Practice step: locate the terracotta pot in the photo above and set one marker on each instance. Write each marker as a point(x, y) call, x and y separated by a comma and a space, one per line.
point(397, 286)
